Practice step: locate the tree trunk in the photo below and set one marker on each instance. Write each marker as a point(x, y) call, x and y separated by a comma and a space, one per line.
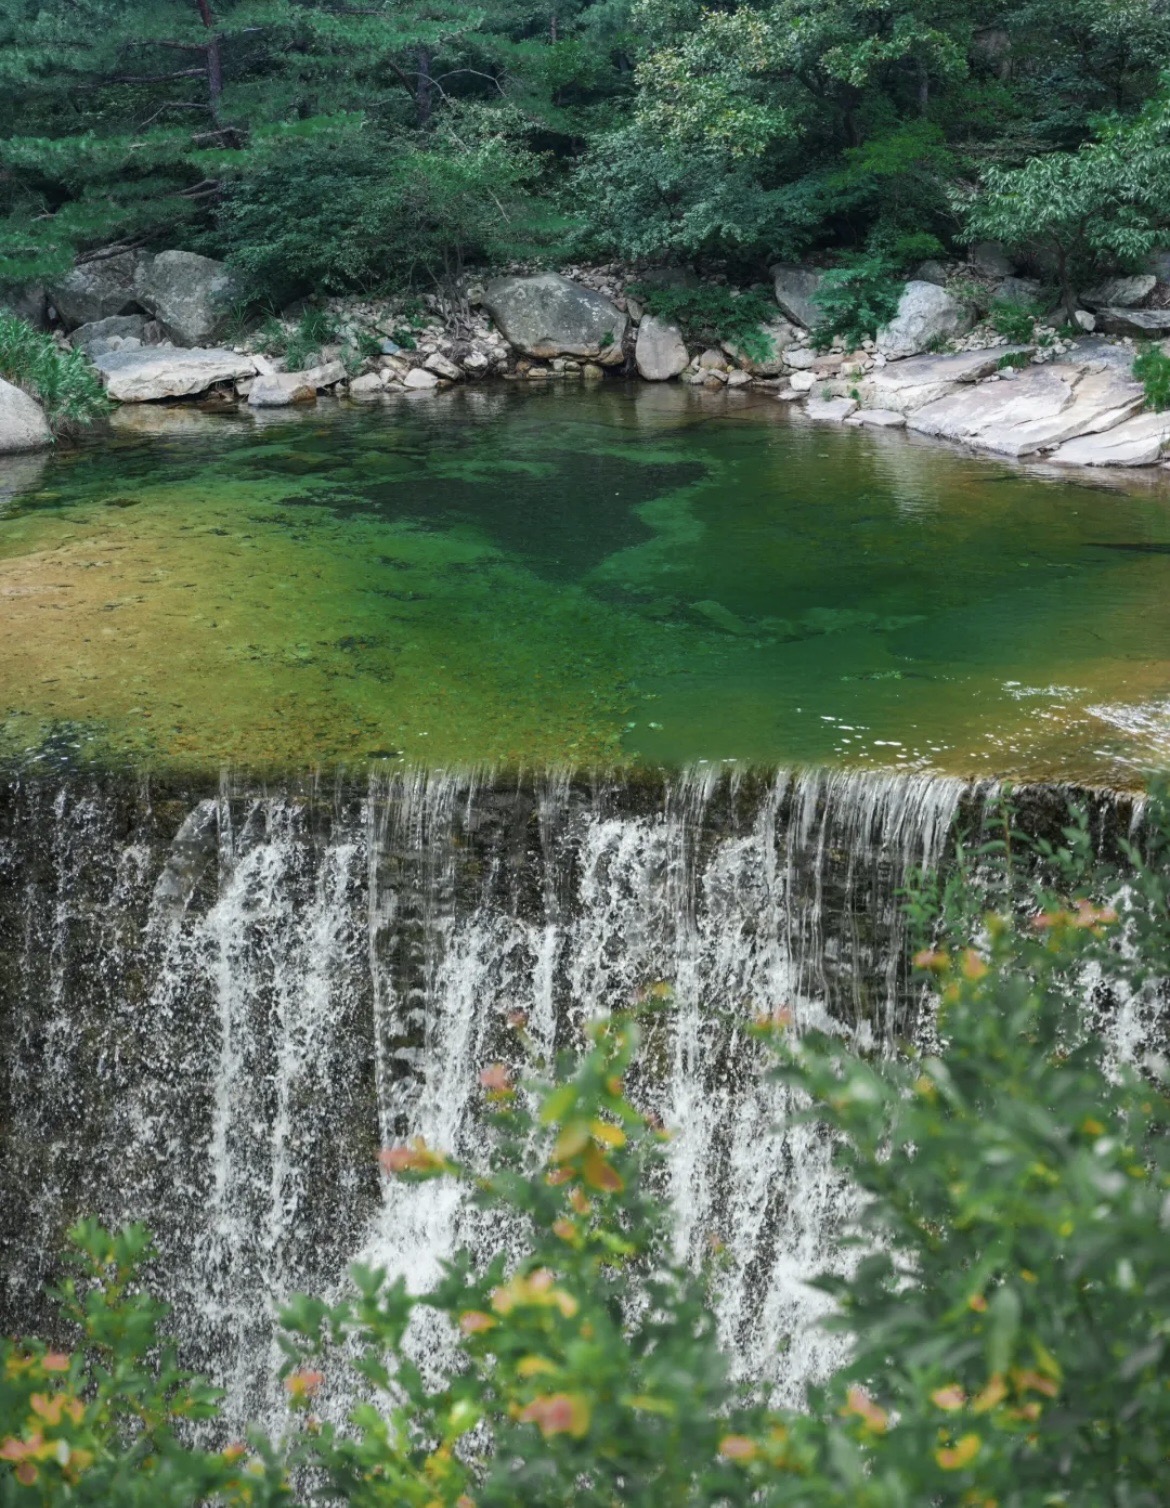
point(423, 89)
point(214, 56)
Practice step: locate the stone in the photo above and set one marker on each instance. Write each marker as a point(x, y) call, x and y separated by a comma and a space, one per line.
point(795, 287)
point(932, 271)
point(1137, 442)
point(368, 385)
point(878, 418)
point(592, 372)
point(419, 380)
point(328, 374)
point(280, 390)
point(1084, 320)
point(634, 310)
point(30, 303)
point(1015, 290)
point(89, 338)
point(23, 425)
point(1120, 293)
point(739, 379)
point(190, 295)
point(150, 373)
point(443, 366)
point(660, 352)
point(476, 363)
point(1039, 410)
point(836, 409)
point(802, 382)
point(1115, 320)
point(548, 316)
point(98, 289)
point(773, 337)
point(800, 358)
point(989, 258)
point(926, 314)
point(907, 385)
point(712, 360)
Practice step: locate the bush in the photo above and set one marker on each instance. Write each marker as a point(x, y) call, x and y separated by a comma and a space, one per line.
point(711, 313)
point(63, 382)
point(1151, 367)
point(857, 298)
point(1016, 321)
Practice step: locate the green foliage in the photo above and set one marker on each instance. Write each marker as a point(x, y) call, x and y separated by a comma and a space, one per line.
point(1151, 367)
point(1012, 359)
point(1015, 320)
point(105, 1426)
point(710, 313)
point(64, 382)
point(857, 298)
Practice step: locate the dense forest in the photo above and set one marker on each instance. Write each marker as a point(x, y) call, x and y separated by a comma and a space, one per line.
point(323, 147)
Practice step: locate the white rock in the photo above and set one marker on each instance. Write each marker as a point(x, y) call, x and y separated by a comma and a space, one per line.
point(800, 358)
point(328, 374)
point(443, 366)
point(23, 425)
point(418, 379)
point(836, 409)
point(802, 382)
point(738, 379)
point(369, 384)
point(153, 372)
point(660, 352)
point(280, 390)
point(919, 380)
point(926, 313)
point(878, 418)
point(1137, 442)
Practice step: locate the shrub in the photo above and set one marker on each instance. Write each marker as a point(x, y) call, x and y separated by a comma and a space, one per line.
point(857, 298)
point(64, 382)
point(1016, 321)
point(1152, 369)
point(710, 313)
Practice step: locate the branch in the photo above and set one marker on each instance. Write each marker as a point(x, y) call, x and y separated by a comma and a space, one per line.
point(151, 78)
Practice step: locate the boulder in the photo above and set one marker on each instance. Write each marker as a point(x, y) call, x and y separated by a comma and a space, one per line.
point(878, 418)
point(368, 385)
point(152, 373)
point(773, 338)
point(989, 258)
point(1138, 442)
point(800, 358)
point(328, 374)
point(1038, 410)
point(548, 316)
point(281, 389)
point(190, 295)
point(98, 289)
point(802, 382)
point(932, 271)
point(23, 425)
point(795, 287)
point(836, 409)
point(904, 386)
point(1120, 293)
point(1084, 320)
point(443, 366)
point(926, 313)
point(660, 352)
point(92, 338)
point(1116, 320)
point(30, 303)
point(418, 379)
point(1013, 290)
point(739, 378)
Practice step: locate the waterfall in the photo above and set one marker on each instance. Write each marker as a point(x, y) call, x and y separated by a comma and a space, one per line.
point(218, 1003)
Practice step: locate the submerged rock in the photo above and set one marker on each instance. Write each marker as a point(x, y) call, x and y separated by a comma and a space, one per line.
point(152, 373)
point(926, 314)
point(548, 316)
point(190, 295)
point(23, 425)
point(660, 352)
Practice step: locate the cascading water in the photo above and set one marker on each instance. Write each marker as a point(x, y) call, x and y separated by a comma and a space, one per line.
point(217, 1005)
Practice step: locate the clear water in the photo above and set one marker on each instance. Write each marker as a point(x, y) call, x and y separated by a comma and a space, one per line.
point(587, 577)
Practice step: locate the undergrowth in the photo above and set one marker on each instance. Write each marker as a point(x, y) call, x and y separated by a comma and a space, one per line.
point(63, 382)
point(710, 314)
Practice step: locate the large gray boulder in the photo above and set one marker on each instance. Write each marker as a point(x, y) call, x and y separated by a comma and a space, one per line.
point(23, 425)
point(190, 295)
point(30, 303)
point(548, 316)
point(1121, 293)
point(151, 373)
point(98, 289)
point(795, 287)
point(926, 314)
point(660, 352)
point(1115, 320)
point(94, 338)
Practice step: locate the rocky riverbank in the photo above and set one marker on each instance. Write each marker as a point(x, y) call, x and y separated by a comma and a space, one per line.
point(154, 327)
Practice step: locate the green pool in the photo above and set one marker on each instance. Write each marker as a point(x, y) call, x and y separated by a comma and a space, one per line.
point(593, 577)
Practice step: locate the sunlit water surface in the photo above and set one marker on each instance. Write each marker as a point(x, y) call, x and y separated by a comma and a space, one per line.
point(630, 575)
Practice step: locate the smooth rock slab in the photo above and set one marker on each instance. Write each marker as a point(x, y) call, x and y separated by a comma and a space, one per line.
point(919, 380)
point(23, 425)
point(150, 373)
point(878, 418)
point(926, 313)
point(548, 316)
point(1138, 442)
point(660, 352)
point(835, 409)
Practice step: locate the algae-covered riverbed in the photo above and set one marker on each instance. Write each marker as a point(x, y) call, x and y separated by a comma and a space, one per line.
point(578, 577)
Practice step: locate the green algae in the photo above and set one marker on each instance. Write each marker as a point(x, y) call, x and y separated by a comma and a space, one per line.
point(583, 577)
